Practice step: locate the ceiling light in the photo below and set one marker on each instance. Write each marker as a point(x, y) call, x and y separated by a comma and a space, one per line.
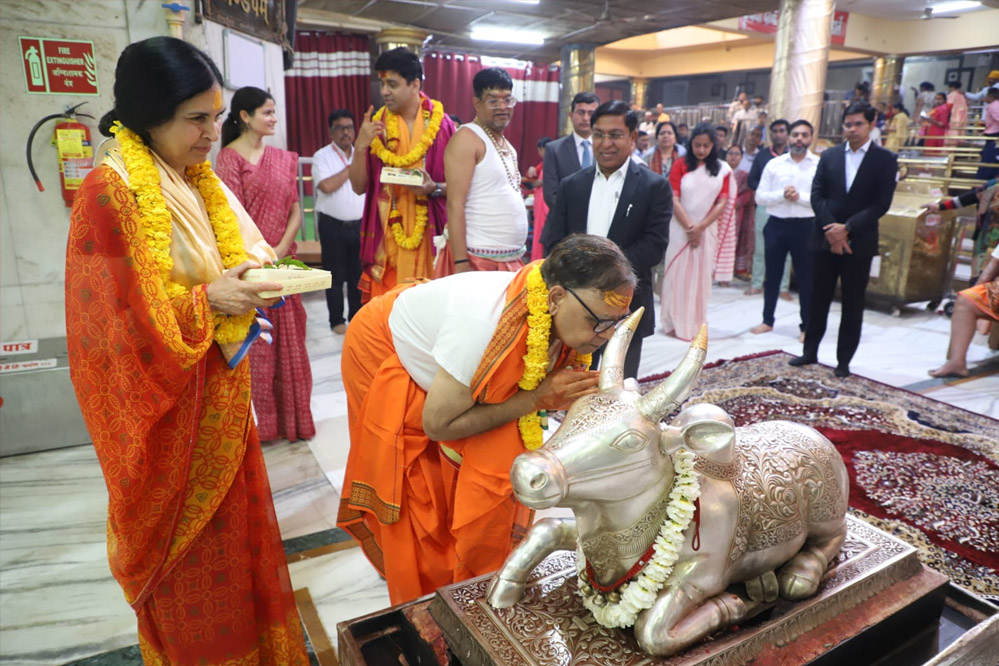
point(507, 35)
point(526, 2)
point(954, 6)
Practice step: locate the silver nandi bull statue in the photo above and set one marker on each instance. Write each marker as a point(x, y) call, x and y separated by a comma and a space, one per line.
point(669, 516)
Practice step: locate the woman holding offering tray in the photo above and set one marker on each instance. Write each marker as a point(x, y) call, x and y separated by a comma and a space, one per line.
point(158, 324)
point(264, 179)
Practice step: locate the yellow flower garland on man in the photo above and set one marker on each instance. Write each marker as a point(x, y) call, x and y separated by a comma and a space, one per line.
point(461, 367)
point(410, 131)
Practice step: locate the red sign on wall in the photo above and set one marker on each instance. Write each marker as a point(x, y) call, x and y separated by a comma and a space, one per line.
point(58, 66)
point(767, 23)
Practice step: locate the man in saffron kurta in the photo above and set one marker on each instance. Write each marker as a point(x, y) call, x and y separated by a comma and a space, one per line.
point(433, 375)
point(192, 536)
point(411, 132)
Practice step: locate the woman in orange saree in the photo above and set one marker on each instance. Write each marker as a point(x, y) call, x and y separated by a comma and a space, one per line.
point(158, 324)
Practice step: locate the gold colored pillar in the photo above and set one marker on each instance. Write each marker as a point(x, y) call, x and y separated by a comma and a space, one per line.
point(391, 38)
point(578, 66)
point(887, 79)
point(639, 92)
point(801, 56)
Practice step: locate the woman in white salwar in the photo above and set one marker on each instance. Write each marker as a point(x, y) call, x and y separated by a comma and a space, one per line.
point(702, 190)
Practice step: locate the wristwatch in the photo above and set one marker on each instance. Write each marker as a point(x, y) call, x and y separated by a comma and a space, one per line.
point(437, 190)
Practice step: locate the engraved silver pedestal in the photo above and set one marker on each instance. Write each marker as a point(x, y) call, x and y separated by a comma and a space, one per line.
point(875, 579)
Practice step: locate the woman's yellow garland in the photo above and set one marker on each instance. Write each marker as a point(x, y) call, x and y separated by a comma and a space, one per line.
point(539, 328)
point(157, 223)
point(433, 119)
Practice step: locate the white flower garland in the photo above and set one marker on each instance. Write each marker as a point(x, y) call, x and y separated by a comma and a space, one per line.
point(641, 592)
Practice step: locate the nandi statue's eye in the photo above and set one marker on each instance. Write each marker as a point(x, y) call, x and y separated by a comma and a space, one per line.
point(630, 441)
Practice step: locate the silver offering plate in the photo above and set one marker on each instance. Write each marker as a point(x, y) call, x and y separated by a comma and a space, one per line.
point(874, 577)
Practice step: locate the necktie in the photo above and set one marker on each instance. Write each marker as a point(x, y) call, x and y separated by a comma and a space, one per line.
point(587, 153)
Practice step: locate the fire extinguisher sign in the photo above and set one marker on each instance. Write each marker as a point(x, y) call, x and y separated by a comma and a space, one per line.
point(58, 66)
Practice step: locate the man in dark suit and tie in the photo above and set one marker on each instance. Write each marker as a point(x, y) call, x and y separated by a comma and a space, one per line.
point(569, 154)
point(853, 187)
point(627, 203)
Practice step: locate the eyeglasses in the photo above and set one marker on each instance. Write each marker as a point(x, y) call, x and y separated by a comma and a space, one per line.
point(343, 128)
point(602, 325)
point(613, 136)
point(494, 103)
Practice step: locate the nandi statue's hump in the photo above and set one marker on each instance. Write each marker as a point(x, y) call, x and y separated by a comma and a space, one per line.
point(666, 517)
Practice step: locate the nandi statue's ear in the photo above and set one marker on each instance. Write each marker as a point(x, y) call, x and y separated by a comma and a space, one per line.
point(707, 430)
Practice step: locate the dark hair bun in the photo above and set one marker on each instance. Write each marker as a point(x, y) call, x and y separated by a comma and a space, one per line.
point(107, 120)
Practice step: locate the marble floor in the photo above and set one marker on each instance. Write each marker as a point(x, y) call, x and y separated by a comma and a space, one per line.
point(59, 604)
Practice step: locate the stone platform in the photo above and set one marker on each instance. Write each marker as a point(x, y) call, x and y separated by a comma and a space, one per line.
point(876, 588)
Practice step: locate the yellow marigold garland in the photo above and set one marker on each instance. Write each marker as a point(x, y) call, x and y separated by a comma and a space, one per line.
point(412, 241)
point(157, 223)
point(433, 119)
point(539, 328)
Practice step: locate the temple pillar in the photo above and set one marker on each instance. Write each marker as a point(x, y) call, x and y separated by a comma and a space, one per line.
point(410, 38)
point(887, 79)
point(801, 56)
point(639, 91)
point(578, 66)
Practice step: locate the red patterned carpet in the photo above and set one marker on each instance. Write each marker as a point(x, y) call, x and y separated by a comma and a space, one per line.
point(920, 469)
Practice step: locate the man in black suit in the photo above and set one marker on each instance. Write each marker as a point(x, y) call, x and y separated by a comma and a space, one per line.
point(853, 187)
point(627, 203)
point(569, 154)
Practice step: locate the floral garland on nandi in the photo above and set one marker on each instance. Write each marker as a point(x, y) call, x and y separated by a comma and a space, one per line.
point(157, 223)
point(539, 329)
point(432, 117)
point(620, 608)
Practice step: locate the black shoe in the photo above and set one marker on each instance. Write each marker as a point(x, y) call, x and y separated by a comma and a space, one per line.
point(804, 359)
point(842, 371)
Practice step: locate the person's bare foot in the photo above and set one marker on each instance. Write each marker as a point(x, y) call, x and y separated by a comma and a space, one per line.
point(786, 295)
point(761, 328)
point(801, 337)
point(950, 370)
point(723, 284)
point(752, 291)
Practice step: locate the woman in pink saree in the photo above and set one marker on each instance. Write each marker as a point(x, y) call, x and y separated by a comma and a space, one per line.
point(703, 196)
point(745, 216)
point(264, 179)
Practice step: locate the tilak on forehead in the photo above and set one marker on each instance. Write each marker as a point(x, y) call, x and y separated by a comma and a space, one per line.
point(217, 99)
point(384, 74)
point(616, 300)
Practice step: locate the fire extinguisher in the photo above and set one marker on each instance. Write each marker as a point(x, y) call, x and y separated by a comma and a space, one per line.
point(73, 147)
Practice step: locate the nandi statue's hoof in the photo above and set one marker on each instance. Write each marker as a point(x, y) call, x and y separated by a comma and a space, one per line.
point(800, 577)
point(763, 588)
point(504, 593)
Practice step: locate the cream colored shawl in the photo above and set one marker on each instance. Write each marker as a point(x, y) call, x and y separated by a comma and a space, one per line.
point(196, 257)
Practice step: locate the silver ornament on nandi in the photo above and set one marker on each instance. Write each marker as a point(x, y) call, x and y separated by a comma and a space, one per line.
point(668, 517)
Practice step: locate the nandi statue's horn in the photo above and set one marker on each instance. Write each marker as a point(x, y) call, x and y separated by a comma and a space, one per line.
point(673, 390)
point(612, 363)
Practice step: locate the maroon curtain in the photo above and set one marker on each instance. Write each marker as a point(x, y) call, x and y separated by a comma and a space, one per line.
point(448, 78)
point(332, 71)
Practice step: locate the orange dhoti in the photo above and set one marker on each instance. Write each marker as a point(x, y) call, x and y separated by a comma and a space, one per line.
point(423, 519)
point(384, 262)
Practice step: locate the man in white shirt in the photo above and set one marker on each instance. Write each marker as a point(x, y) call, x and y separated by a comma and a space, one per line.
point(629, 204)
point(486, 216)
point(339, 210)
point(786, 191)
point(648, 125)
